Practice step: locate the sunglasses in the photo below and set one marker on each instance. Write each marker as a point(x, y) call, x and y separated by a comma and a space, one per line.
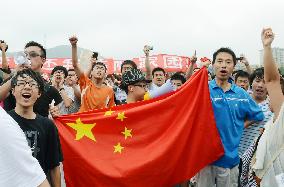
point(32, 54)
point(141, 85)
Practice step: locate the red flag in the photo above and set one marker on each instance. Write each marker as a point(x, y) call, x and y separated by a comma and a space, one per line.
point(159, 142)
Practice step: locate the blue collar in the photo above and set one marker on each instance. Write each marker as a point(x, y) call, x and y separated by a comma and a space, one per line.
point(230, 80)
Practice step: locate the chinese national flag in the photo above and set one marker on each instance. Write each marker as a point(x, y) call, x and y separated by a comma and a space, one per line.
point(159, 142)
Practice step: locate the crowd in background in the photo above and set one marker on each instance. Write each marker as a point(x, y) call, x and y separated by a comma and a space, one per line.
point(244, 102)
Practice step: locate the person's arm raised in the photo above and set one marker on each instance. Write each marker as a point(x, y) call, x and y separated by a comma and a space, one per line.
point(147, 63)
point(73, 41)
point(271, 74)
point(189, 71)
point(246, 63)
point(3, 47)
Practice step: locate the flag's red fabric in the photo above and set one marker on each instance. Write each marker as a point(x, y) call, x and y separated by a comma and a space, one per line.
point(159, 142)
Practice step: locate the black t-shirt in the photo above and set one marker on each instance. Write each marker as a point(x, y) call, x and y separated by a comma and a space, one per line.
point(41, 106)
point(42, 137)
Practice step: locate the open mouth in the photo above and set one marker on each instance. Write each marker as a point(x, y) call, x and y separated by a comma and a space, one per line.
point(223, 71)
point(259, 91)
point(26, 95)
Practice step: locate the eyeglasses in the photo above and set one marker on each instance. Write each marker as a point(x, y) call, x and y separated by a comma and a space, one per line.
point(141, 85)
point(22, 84)
point(32, 54)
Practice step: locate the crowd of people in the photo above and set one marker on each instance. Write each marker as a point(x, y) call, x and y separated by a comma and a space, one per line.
point(247, 108)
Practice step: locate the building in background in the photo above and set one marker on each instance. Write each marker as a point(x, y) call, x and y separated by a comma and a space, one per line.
point(278, 54)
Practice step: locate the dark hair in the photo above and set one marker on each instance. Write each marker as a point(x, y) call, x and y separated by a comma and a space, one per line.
point(158, 69)
point(99, 63)
point(257, 73)
point(178, 76)
point(56, 68)
point(33, 43)
point(225, 50)
point(70, 70)
point(130, 62)
point(29, 72)
point(241, 73)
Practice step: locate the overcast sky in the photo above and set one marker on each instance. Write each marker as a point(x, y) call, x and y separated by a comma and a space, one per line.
point(119, 29)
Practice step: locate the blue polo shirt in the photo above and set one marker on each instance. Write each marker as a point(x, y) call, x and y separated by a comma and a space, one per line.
point(231, 108)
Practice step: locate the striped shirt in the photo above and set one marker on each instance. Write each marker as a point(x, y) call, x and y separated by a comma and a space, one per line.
point(252, 132)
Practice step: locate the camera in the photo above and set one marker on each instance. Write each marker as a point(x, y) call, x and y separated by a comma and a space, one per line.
point(240, 58)
point(95, 55)
point(2, 41)
point(150, 47)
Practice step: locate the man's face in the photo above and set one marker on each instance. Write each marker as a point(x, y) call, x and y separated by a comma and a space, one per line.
point(58, 76)
point(243, 82)
point(159, 78)
point(26, 91)
point(125, 68)
point(72, 78)
point(177, 83)
point(98, 72)
point(138, 90)
point(223, 66)
point(259, 90)
point(34, 55)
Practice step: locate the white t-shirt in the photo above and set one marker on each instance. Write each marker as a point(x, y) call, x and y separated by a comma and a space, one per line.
point(17, 165)
point(271, 148)
point(71, 95)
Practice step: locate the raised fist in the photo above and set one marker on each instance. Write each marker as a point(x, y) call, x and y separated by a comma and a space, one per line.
point(73, 40)
point(267, 37)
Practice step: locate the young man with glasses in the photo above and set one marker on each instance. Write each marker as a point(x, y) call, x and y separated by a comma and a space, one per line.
point(72, 81)
point(36, 54)
point(41, 133)
point(136, 87)
point(95, 94)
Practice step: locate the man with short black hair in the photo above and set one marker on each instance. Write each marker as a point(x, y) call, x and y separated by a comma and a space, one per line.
point(242, 79)
point(95, 94)
point(260, 96)
point(58, 75)
point(136, 86)
point(36, 54)
point(41, 133)
point(159, 77)
point(72, 81)
point(232, 105)
point(178, 80)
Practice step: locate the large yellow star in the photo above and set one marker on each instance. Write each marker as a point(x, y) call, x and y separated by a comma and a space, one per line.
point(127, 133)
point(121, 116)
point(118, 148)
point(82, 129)
point(109, 112)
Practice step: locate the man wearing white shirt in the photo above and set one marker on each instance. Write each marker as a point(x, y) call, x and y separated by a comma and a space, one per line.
point(18, 166)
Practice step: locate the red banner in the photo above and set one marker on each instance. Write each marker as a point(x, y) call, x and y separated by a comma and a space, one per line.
point(171, 63)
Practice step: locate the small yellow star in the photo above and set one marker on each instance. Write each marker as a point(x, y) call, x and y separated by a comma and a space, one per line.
point(82, 129)
point(109, 112)
point(118, 148)
point(127, 133)
point(120, 116)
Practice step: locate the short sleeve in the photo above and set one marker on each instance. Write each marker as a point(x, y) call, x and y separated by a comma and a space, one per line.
point(254, 112)
point(70, 92)
point(55, 95)
point(83, 81)
point(18, 166)
point(54, 153)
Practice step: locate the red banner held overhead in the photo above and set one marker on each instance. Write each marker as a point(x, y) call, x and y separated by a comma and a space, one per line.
point(171, 63)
